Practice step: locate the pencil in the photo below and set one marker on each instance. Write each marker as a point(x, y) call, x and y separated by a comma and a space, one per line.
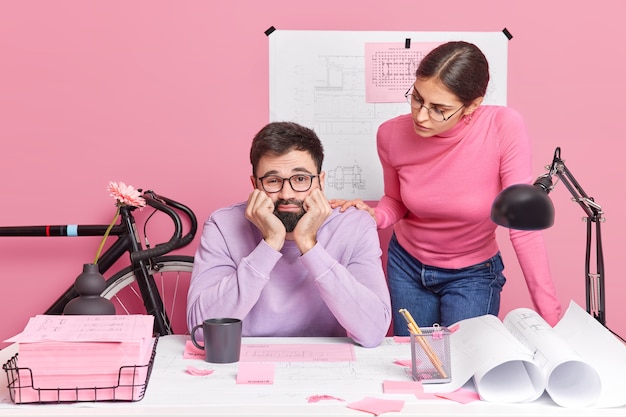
point(432, 356)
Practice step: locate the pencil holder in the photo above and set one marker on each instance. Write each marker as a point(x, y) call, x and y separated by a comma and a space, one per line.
point(430, 355)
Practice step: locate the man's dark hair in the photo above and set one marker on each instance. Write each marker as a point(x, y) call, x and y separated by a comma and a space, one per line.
point(278, 138)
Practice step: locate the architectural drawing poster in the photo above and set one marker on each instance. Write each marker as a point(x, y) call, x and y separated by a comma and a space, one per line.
point(344, 84)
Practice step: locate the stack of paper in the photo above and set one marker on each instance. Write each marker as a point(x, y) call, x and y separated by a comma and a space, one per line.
point(83, 358)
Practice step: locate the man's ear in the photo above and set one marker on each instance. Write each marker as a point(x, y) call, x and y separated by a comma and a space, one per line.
point(253, 181)
point(322, 180)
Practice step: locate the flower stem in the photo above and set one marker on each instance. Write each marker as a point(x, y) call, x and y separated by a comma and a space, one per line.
point(106, 234)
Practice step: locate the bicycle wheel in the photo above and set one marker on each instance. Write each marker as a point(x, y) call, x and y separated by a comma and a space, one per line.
point(171, 275)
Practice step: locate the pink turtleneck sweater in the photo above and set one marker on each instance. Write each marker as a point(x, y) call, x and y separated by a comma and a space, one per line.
point(439, 192)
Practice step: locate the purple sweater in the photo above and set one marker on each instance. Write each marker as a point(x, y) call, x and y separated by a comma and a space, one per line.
point(338, 288)
point(439, 192)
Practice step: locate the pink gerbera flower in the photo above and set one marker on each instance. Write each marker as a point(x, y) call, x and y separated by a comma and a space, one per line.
point(125, 194)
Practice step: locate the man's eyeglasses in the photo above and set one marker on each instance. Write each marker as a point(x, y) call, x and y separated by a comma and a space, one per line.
point(434, 113)
point(298, 182)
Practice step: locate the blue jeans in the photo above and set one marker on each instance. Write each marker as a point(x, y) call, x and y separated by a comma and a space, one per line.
point(439, 295)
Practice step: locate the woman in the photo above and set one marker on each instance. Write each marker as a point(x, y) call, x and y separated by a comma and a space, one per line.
point(443, 165)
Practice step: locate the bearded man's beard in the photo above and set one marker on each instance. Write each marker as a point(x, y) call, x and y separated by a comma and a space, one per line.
point(289, 218)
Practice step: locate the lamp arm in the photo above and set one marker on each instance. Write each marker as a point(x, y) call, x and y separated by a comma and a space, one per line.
point(594, 282)
point(592, 209)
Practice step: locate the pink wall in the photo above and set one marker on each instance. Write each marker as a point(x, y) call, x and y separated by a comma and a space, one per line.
point(167, 95)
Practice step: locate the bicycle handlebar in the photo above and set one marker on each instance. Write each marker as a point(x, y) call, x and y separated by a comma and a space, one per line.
point(171, 208)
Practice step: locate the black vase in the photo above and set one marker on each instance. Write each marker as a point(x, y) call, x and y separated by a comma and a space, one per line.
point(89, 285)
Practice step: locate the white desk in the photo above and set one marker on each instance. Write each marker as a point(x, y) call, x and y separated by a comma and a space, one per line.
point(171, 391)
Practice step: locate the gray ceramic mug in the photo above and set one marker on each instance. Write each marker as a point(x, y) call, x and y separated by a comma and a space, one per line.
point(222, 339)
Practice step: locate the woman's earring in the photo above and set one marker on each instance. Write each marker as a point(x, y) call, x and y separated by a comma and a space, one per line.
point(467, 119)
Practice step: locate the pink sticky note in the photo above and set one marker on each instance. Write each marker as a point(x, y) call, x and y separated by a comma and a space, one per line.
point(427, 396)
point(402, 387)
point(402, 339)
point(323, 397)
point(255, 373)
point(192, 352)
point(454, 328)
point(377, 406)
point(461, 395)
point(403, 362)
point(198, 371)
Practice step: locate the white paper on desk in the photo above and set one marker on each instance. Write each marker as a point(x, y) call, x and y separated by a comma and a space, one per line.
point(601, 349)
point(502, 368)
point(578, 363)
point(569, 379)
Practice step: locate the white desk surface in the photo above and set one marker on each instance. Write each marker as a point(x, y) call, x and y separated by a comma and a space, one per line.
point(172, 391)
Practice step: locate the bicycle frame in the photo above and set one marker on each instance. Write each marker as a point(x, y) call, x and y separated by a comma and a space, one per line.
point(128, 241)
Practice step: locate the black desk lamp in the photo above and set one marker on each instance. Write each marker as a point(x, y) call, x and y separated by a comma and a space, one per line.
point(527, 207)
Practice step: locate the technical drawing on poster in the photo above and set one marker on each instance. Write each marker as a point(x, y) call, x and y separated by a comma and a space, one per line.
point(344, 84)
point(344, 178)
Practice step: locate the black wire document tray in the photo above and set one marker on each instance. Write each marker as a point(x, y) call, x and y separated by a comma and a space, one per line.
point(131, 385)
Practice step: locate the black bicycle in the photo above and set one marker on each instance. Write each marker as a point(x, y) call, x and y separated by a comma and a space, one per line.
point(153, 282)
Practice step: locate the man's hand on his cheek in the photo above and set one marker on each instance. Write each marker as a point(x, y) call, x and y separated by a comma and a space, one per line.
point(317, 211)
point(260, 211)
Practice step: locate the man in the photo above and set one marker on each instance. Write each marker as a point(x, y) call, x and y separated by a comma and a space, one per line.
point(285, 262)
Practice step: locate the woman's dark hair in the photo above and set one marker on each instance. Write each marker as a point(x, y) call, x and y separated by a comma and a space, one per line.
point(460, 66)
point(278, 138)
